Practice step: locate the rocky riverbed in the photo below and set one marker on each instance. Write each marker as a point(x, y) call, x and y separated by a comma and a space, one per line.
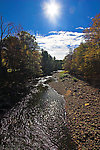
point(82, 109)
point(38, 122)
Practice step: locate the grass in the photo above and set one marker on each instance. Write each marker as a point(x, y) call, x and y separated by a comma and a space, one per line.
point(63, 74)
point(75, 79)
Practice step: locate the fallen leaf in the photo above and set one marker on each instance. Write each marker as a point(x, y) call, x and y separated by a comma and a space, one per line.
point(68, 92)
point(86, 104)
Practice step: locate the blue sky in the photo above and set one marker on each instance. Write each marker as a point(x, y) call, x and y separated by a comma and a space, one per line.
point(74, 15)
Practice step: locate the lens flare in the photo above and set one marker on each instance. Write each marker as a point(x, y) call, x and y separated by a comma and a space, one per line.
point(52, 9)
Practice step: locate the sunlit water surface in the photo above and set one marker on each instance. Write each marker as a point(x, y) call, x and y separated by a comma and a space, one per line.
point(37, 122)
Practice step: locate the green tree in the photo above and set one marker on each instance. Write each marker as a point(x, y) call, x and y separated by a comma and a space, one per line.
point(49, 64)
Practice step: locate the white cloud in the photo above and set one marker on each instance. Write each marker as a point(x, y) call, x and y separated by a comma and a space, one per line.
point(87, 28)
point(57, 43)
point(91, 18)
point(53, 32)
point(80, 28)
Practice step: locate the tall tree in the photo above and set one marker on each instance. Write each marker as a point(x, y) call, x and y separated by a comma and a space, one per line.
point(86, 57)
point(22, 54)
point(30, 51)
point(92, 34)
point(6, 29)
point(49, 63)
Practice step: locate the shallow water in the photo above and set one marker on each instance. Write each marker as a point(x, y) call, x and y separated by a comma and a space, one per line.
point(38, 122)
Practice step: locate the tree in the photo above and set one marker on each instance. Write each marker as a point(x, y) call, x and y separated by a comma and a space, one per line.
point(92, 34)
point(67, 62)
point(6, 29)
point(49, 64)
point(13, 58)
point(30, 50)
point(86, 57)
point(46, 62)
point(22, 54)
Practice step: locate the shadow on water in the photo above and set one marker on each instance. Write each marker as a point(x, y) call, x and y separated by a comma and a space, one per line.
point(38, 122)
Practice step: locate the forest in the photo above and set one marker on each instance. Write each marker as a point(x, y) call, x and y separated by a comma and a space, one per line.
point(49, 74)
point(21, 54)
point(84, 62)
point(35, 108)
point(21, 59)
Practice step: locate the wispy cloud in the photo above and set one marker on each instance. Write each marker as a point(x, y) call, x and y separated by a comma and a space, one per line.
point(79, 28)
point(91, 18)
point(57, 43)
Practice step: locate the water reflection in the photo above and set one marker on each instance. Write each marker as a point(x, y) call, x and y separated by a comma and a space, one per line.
point(37, 123)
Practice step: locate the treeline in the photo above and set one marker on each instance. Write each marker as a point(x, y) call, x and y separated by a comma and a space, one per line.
point(21, 54)
point(21, 61)
point(85, 59)
point(49, 64)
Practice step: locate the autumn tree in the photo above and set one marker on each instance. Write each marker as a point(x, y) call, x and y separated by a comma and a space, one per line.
point(92, 36)
point(22, 54)
point(86, 57)
point(13, 58)
point(31, 52)
point(67, 62)
point(6, 29)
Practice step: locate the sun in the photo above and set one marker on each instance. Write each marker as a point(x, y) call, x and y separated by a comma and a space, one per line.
point(52, 9)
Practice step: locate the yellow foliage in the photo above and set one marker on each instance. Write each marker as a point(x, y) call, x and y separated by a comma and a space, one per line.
point(86, 104)
point(3, 60)
point(24, 46)
point(68, 92)
point(9, 70)
point(4, 63)
point(27, 52)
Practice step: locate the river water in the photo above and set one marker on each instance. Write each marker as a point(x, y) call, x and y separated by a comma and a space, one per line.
point(38, 122)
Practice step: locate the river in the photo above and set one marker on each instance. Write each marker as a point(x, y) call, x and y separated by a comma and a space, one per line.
point(38, 122)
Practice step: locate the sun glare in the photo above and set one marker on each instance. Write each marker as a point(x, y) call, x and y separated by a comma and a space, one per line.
point(52, 10)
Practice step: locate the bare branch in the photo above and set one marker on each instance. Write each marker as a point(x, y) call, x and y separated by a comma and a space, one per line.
point(8, 29)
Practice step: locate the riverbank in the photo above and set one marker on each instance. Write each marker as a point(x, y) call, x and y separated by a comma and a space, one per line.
point(37, 121)
point(12, 90)
point(82, 109)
